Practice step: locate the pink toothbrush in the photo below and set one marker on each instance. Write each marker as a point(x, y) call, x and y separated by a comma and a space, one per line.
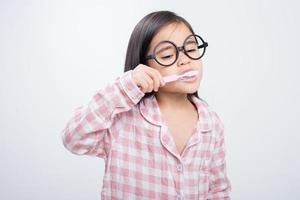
point(175, 77)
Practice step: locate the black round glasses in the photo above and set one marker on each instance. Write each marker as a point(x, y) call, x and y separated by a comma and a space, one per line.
point(166, 52)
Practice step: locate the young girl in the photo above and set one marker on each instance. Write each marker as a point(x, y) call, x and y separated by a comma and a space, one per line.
point(159, 140)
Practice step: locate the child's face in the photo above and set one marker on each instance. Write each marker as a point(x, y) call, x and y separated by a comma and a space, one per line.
point(177, 33)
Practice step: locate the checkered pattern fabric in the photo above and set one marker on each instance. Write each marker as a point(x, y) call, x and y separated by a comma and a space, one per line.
point(141, 159)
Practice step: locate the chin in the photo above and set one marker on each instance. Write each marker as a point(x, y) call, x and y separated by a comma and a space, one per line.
point(186, 88)
point(190, 90)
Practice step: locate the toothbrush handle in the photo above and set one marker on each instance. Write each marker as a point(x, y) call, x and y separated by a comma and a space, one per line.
point(167, 79)
point(170, 78)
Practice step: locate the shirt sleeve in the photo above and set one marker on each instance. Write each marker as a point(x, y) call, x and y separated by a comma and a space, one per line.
point(88, 131)
point(219, 184)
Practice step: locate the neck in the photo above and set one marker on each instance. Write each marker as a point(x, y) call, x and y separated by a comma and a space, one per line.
point(171, 101)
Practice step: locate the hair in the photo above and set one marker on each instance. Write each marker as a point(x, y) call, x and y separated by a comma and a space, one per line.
point(142, 35)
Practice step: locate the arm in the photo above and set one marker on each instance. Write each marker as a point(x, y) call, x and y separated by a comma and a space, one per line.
point(219, 184)
point(88, 131)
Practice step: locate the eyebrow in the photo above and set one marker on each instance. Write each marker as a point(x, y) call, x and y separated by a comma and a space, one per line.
point(191, 41)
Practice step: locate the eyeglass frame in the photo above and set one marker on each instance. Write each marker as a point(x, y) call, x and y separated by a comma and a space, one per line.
point(178, 49)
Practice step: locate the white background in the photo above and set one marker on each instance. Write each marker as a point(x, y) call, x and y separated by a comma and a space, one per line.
point(55, 54)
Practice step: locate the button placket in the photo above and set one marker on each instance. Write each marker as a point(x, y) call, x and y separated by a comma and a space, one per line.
point(179, 197)
point(179, 168)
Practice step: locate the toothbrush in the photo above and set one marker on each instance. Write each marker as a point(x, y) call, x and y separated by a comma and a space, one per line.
point(175, 77)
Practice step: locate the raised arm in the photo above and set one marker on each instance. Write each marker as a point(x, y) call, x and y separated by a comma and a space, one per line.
point(87, 132)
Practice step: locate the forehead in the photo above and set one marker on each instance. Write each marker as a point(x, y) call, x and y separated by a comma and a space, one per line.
point(175, 32)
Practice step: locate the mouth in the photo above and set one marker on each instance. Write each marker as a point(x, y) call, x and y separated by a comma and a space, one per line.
point(187, 72)
point(189, 76)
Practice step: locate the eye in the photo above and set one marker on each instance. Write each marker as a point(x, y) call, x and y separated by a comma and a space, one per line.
point(166, 57)
point(191, 50)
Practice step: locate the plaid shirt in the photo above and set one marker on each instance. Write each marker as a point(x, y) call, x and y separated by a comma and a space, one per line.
point(141, 159)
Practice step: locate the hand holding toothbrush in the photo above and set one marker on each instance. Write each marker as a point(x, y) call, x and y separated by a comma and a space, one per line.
point(149, 79)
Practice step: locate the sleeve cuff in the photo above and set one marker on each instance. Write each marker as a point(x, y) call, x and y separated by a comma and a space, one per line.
point(130, 87)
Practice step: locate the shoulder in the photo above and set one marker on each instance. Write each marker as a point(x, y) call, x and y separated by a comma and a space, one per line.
point(212, 115)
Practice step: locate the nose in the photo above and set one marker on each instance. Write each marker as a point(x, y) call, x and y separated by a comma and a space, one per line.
point(183, 59)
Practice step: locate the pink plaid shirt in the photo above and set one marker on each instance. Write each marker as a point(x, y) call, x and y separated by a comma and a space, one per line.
point(141, 159)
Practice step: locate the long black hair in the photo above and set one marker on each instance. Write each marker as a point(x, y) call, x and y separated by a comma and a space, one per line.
point(142, 36)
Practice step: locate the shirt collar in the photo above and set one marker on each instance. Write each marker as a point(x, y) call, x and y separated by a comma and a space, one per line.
point(150, 111)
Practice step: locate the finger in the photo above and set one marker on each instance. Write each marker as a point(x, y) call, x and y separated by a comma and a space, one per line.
point(145, 82)
point(155, 77)
point(162, 82)
point(149, 82)
point(144, 86)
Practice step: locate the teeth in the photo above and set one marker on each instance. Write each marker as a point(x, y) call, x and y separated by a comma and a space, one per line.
point(187, 77)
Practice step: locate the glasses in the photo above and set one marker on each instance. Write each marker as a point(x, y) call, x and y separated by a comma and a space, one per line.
point(166, 52)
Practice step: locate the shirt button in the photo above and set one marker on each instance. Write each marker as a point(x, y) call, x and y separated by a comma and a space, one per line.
point(179, 168)
point(179, 197)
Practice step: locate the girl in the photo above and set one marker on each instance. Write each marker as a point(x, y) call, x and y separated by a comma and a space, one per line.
point(159, 140)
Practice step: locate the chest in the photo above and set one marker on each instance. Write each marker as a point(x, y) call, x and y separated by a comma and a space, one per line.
point(181, 129)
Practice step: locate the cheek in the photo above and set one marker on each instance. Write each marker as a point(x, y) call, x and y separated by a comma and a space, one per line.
point(168, 71)
point(155, 65)
point(198, 65)
point(200, 75)
point(200, 71)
